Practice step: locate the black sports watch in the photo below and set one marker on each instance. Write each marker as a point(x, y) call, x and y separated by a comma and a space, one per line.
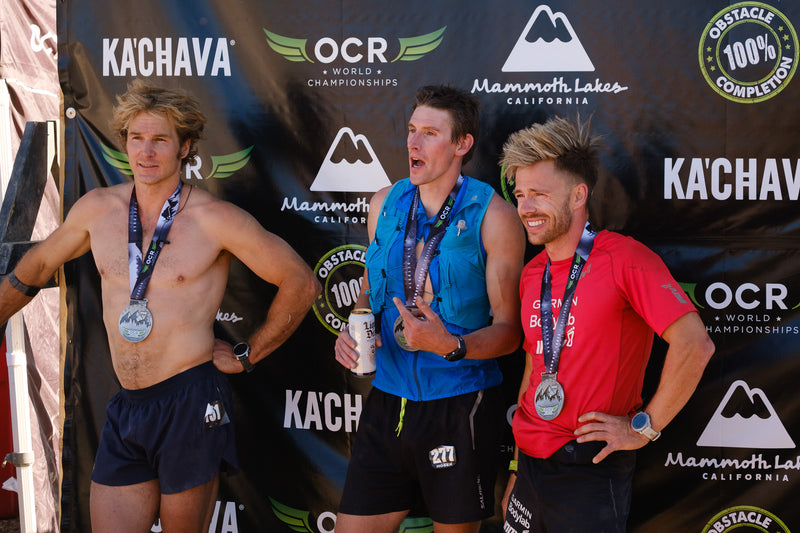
point(242, 353)
point(641, 424)
point(458, 353)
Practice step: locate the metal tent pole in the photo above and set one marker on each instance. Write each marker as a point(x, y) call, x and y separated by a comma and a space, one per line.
point(22, 458)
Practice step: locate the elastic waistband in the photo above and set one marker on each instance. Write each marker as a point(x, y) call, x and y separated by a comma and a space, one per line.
point(193, 375)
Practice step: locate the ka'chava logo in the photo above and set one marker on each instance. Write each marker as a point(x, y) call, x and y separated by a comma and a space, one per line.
point(748, 52)
point(340, 272)
point(222, 166)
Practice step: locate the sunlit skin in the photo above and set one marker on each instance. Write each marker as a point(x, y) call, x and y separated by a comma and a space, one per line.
point(183, 295)
point(154, 150)
point(432, 154)
point(552, 206)
point(435, 161)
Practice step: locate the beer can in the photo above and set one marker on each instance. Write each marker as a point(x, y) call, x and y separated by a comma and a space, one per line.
point(361, 326)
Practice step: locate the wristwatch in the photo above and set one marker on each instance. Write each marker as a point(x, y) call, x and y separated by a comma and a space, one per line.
point(641, 424)
point(458, 353)
point(242, 353)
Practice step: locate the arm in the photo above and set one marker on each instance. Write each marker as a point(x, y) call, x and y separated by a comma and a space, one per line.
point(40, 263)
point(273, 260)
point(690, 349)
point(345, 347)
point(504, 240)
point(523, 387)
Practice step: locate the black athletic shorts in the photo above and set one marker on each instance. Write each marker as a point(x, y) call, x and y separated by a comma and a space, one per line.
point(178, 431)
point(567, 492)
point(443, 463)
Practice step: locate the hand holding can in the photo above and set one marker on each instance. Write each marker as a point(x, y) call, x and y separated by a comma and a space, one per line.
point(361, 326)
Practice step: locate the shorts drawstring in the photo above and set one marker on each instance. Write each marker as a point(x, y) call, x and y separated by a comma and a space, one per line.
point(399, 427)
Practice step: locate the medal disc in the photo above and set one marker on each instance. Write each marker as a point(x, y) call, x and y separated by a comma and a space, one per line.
point(399, 336)
point(549, 399)
point(135, 321)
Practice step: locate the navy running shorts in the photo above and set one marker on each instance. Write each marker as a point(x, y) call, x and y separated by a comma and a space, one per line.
point(567, 492)
point(443, 464)
point(179, 431)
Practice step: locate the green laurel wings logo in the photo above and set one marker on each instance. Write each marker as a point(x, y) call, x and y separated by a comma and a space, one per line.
point(689, 289)
point(225, 165)
point(296, 519)
point(222, 166)
point(413, 48)
point(290, 48)
point(118, 160)
point(416, 525)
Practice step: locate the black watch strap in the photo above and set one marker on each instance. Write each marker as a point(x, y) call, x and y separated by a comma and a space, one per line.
point(242, 353)
point(460, 352)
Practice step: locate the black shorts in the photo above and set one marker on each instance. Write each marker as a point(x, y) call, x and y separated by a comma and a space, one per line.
point(567, 492)
point(178, 431)
point(443, 463)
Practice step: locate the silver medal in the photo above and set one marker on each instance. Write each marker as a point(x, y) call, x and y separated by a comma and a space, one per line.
point(399, 335)
point(549, 399)
point(135, 321)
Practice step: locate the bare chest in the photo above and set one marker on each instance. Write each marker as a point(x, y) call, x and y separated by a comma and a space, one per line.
point(186, 255)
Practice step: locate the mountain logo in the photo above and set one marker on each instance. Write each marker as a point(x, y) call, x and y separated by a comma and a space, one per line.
point(548, 44)
point(350, 166)
point(745, 419)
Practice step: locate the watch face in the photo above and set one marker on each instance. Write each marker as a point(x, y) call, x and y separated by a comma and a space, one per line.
point(640, 421)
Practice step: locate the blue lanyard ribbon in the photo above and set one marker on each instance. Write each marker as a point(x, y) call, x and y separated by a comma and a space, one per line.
point(415, 271)
point(140, 267)
point(553, 338)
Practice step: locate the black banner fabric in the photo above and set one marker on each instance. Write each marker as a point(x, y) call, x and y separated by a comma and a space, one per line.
point(308, 103)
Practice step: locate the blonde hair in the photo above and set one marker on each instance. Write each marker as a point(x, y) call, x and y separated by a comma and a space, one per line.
point(563, 141)
point(182, 111)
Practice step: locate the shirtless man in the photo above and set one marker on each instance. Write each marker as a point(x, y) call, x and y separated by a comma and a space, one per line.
point(168, 430)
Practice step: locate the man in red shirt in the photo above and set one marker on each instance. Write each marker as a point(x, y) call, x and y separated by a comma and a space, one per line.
point(600, 297)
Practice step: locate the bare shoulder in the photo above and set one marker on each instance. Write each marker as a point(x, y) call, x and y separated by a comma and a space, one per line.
point(96, 203)
point(503, 211)
point(502, 224)
point(375, 204)
point(210, 212)
point(377, 199)
point(228, 225)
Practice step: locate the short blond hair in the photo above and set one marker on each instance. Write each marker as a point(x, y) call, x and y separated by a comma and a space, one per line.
point(566, 142)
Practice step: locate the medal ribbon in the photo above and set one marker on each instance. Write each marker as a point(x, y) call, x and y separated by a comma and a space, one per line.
point(140, 269)
point(415, 271)
point(553, 339)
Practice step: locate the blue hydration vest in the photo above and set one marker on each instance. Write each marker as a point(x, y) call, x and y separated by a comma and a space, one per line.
point(458, 278)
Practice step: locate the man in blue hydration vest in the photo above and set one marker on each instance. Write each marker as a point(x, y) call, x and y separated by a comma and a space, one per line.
point(442, 275)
